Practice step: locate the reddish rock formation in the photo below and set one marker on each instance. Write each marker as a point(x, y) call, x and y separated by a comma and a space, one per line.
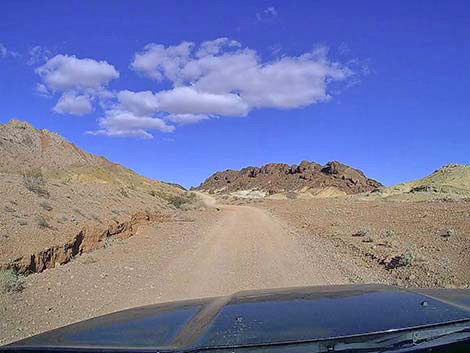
point(274, 178)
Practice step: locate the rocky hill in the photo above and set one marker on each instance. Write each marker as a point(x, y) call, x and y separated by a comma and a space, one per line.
point(450, 182)
point(51, 190)
point(307, 179)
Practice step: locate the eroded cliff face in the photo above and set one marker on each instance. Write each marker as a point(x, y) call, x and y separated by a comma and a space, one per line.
point(88, 239)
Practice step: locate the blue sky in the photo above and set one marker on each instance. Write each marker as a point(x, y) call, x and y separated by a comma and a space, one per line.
point(179, 90)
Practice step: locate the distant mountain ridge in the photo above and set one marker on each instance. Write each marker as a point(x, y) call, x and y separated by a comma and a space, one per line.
point(334, 178)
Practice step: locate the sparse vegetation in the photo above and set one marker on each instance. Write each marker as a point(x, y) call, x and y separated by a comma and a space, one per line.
point(291, 195)
point(448, 233)
point(45, 205)
point(389, 233)
point(123, 192)
point(403, 260)
point(79, 212)
point(42, 222)
point(107, 242)
point(10, 281)
point(9, 209)
point(62, 219)
point(179, 200)
point(34, 181)
point(361, 232)
point(22, 222)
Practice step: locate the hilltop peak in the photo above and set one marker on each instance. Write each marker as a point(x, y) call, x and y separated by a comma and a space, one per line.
point(306, 178)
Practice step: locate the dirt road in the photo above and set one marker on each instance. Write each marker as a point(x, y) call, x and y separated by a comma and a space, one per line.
point(248, 249)
point(212, 253)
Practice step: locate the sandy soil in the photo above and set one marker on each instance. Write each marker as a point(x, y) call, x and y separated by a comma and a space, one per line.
point(431, 239)
point(204, 253)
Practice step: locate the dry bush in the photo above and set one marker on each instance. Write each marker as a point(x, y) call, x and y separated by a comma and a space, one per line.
point(45, 205)
point(9, 209)
point(187, 201)
point(34, 181)
point(22, 222)
point(361, 232)
point(42, 223)
point(10, 281)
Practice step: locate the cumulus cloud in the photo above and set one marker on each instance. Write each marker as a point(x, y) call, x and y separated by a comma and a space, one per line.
point(63, 72)
point(220, 78)
point(213, 79)
point(79, 81)
point(157, 62)
point(70, 103)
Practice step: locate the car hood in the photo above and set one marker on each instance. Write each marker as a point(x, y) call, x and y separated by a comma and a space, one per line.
point(260, 317)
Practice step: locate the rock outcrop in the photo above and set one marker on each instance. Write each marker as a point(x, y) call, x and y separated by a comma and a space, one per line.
point(275, 178)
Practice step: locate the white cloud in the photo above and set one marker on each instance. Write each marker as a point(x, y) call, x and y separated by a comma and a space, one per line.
point(186, 118)
point(139, 103)
point(156, 61)
point(214, 47)
point(188, 100)
point(78, 80)
point(4, 52)
point(218, 78)
point(117, 123)
point(63, 72)
point(70, 103)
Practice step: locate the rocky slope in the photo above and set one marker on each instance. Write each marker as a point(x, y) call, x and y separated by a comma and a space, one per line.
point(281, 180)
point(52, 190)
point(450, 182)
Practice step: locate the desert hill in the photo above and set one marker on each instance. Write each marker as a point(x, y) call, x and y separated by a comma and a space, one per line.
point(280, 180)
point(450, 182)
point(50, 189)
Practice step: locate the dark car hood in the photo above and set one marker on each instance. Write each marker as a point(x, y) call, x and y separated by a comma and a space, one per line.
point(261, 317)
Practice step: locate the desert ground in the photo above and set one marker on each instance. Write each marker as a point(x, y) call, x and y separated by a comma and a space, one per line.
point(249, 244)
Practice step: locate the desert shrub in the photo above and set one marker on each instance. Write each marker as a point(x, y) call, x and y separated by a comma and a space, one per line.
point(179, 200)
point(116, 212)
point(405, 259)
point(108, 241)
point(22, 222)
point(45, 205)
point(361, 232)
point(10, 281)
point(447, 233)
point(34, 181)
point(389, 233)
point(9, 209)
point(42, 223)
point(291, 195)
point(79, 212)
point(62, 219)
point(123, 192)
point(153, 193)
